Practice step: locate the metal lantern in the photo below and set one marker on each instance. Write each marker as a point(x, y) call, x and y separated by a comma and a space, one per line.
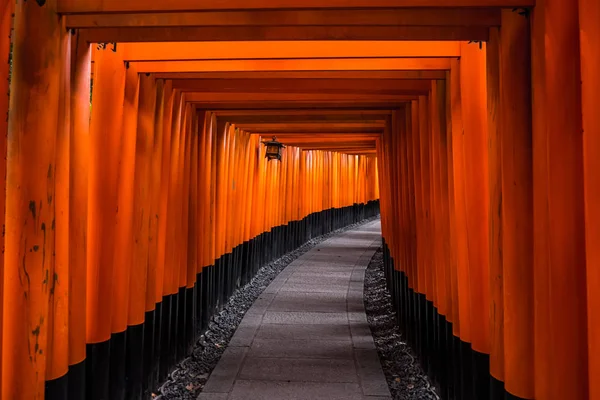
point(273, 149)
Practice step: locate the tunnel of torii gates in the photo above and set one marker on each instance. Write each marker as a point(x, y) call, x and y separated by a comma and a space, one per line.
point(130, 220)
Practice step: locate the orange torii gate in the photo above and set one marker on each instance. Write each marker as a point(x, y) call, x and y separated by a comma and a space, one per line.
point(489, 198)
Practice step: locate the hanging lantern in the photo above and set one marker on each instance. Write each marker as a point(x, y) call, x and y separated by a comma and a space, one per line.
point(273, 149)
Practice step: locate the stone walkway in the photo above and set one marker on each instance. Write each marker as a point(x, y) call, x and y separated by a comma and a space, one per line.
point(307, 336)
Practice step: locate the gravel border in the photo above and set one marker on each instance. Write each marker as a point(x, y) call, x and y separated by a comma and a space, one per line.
point(402, 370)
point(187, 380)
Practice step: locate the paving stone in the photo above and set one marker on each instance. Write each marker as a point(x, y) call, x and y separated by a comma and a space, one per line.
point(222, 378)
point(213, 396)
point(268, 348)
point(305, 318)
point(361, 336)
point(301, 370)
point(318, 279)
point(303, 287)
point(371, 376)
point(310, 304)
point(338, 333)
point(265, 390)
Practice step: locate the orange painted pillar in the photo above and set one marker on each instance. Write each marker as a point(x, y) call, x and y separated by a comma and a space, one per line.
point(165, 177)
point(6, 18)
point(494, 130)
point(78, 211)
point(517, 203)
point(123, 250)
point(427, 265)
point(541, 217)
point(566, 234)
point(143, 134)
point(417, 282)
point(172, 249)
point(462, 253)
point(475, 173)
point(104, 161)
point(57, 351)
point(589, 31)
point(30, 188)
point(155, 181)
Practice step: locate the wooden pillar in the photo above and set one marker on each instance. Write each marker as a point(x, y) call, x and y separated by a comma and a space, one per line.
point(475, 173)
point(78, 211)
point(589, 31)
point(58, 312)
point(123, 251)
point(6, 19)
point(517, 203)
point(30, 187)
point(143, 201)
point(541, 222)
point(165, 129)
point(566, 234)
point(494, 130)
point(104, 161)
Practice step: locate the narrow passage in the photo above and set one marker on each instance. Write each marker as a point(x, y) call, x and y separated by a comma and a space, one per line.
point(307, 335)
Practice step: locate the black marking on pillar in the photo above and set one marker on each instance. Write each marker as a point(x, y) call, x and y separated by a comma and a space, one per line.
point(134, 361)
point(57, 389)
point(97, 371)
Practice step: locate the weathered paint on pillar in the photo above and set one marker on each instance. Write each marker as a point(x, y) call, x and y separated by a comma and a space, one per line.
point(58, 312)
point(6, 18)
point(30, 185)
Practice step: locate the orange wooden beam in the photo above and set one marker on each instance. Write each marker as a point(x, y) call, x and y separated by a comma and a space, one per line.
point(186, 50)
point(275, 33)
point(378, 17)
point(108, 6)
point(301, 115)
point(337, 64)
point(373, 74)
point(375, 86)
point(322, 127)
point(259, 97)
point(307, 104)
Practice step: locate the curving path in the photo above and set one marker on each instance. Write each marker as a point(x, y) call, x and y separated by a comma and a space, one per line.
point(307, 336)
